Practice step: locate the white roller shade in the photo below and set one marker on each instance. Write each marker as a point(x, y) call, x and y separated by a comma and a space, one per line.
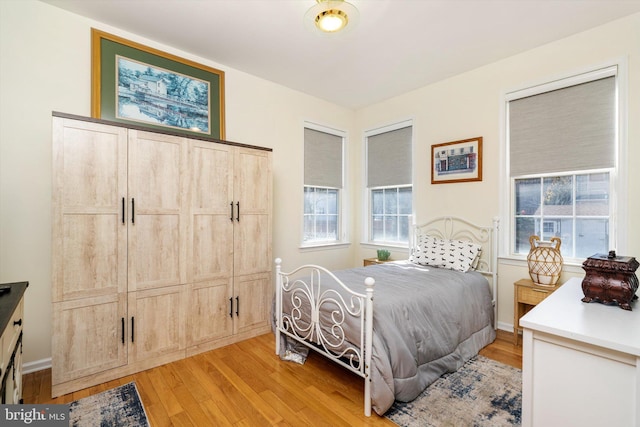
point(322, 159)
point(568, 129)
point(389, 158)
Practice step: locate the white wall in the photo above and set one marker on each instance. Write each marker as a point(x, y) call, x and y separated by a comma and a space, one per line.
point(45, 66)
point(470, 105)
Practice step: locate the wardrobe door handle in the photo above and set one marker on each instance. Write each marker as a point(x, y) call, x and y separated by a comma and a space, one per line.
point(17, 322)
point(122, 330)
point(123, 218)
point(237, 306)
point(231, 301)
point(238, 207)
point(133, 210)
point(132, 329)
point(231, 217)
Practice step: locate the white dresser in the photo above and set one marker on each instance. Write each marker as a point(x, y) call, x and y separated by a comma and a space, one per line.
point(581, 362)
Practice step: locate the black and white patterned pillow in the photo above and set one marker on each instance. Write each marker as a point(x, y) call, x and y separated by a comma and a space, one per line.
point(450, 254)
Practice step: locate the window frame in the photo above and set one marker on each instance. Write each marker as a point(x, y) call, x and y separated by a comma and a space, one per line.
point(397, 215)
point(321, 242)
point(343, 233)
point(617, 175)
point(555, 219)
point(367, 222)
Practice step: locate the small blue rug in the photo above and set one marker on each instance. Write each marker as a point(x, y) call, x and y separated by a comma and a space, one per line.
point(118, 407)
point(483, 393)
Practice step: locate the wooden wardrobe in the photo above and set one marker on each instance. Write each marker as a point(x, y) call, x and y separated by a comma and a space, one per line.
point(161, 248)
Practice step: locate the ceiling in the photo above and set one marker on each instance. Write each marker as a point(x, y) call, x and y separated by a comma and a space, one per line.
point(396, 45)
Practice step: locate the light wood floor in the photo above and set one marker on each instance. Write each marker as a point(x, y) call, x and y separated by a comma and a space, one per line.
point(246, 384)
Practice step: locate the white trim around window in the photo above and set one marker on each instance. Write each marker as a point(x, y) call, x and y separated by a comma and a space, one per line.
point(342, 199)
point(619, 215)
point(366, 196)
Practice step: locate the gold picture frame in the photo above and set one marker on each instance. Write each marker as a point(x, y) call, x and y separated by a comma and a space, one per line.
point(135, 84)
point(457, 161)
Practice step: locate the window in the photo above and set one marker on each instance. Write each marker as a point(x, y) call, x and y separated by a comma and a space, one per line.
point(390, 212)
point(562, 145)
point(572, 207)
point(389, 184)
point(323, 171)
point(321, 219)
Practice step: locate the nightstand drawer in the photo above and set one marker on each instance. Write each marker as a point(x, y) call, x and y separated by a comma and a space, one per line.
point(532, 295)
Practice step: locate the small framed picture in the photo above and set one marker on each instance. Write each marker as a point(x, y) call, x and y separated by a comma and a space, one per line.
point(457, 161)
point(136, 84)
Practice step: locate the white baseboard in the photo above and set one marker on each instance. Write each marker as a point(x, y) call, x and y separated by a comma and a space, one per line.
point(505, 326)
point(37, 365)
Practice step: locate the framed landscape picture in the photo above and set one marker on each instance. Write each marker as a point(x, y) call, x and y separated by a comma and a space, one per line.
point(135, 84)
point(457, 161)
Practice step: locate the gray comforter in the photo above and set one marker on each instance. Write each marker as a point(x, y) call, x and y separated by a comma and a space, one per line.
point(427, 321)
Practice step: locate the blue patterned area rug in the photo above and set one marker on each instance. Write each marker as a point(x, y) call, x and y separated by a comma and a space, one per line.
point(483, 393)
point(118, 407)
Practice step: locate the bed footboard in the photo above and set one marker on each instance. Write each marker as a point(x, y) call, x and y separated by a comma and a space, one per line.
point(315, 308)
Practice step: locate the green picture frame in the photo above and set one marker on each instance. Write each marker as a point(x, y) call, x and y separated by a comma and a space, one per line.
point(137, 85)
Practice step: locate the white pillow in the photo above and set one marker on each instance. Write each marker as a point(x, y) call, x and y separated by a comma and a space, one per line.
point(450, 254)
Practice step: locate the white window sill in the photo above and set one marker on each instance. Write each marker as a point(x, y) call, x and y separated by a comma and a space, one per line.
point(324, 246)
point(384, 245)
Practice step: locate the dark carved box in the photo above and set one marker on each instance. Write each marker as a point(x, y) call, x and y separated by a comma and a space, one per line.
point(610, 279)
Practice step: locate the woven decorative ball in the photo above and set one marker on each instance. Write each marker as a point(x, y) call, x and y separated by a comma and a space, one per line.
point(545, 261)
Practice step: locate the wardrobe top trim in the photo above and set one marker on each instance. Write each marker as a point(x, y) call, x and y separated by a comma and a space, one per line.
point(142, 128)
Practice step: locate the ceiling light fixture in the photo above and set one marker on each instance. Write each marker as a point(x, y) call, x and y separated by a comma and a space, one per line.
point(332, 16)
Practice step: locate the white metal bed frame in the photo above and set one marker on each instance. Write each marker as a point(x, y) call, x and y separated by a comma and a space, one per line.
point(303, 286)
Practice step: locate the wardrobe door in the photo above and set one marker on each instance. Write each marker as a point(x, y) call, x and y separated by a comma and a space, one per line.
point(252, 241)
point(254, 294)
point(210, 253)
point(212, 213)
point(89, 231)
point(89, 336)
point(252, 190)
point(209, 312)
point(158, 197)
point(89, 249)
point(156, 325)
